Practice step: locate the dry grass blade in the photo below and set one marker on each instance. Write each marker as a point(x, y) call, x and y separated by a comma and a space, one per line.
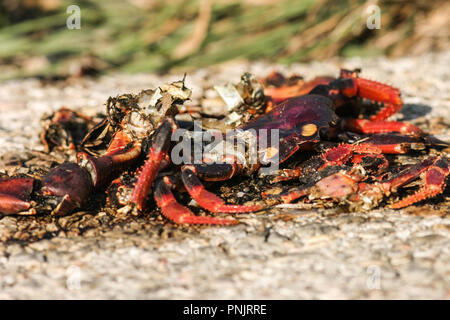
point(195, 40)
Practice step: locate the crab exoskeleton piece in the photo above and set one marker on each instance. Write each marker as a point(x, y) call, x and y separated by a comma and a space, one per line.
point(346, 180)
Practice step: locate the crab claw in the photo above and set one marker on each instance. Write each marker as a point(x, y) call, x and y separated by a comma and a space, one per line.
point(104, 169)
point(70, 185)
point(66, 188)
point(15, 194)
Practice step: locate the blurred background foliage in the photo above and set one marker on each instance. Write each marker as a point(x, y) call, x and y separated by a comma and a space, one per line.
point(155, 35)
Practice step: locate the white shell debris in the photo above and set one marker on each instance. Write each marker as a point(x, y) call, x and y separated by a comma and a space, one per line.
point(230, 95)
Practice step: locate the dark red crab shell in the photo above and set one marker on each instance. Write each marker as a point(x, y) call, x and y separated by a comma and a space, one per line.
point(300, 121)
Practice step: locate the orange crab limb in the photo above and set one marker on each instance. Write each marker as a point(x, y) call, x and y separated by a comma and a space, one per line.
point(371, 126)
point(157, 153)
point(374, 91)
point(434, 184)
point(178, 213)
point(279, 94)
point(342, 153)
point(208, 200)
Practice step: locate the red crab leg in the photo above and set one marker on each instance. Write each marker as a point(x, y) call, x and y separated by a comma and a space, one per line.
point(398, 144)
point(157, 153)
point(209, 200)
point(434, 182)
point(286, 196)
point(374, 91)
point(342, 153)
point(378, 92)
point(178, 213)
point(279, 94)
point(356, 154)
point(376, 126)
point(407, 175)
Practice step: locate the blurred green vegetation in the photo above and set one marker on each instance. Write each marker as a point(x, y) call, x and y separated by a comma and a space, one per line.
point(154, 35)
